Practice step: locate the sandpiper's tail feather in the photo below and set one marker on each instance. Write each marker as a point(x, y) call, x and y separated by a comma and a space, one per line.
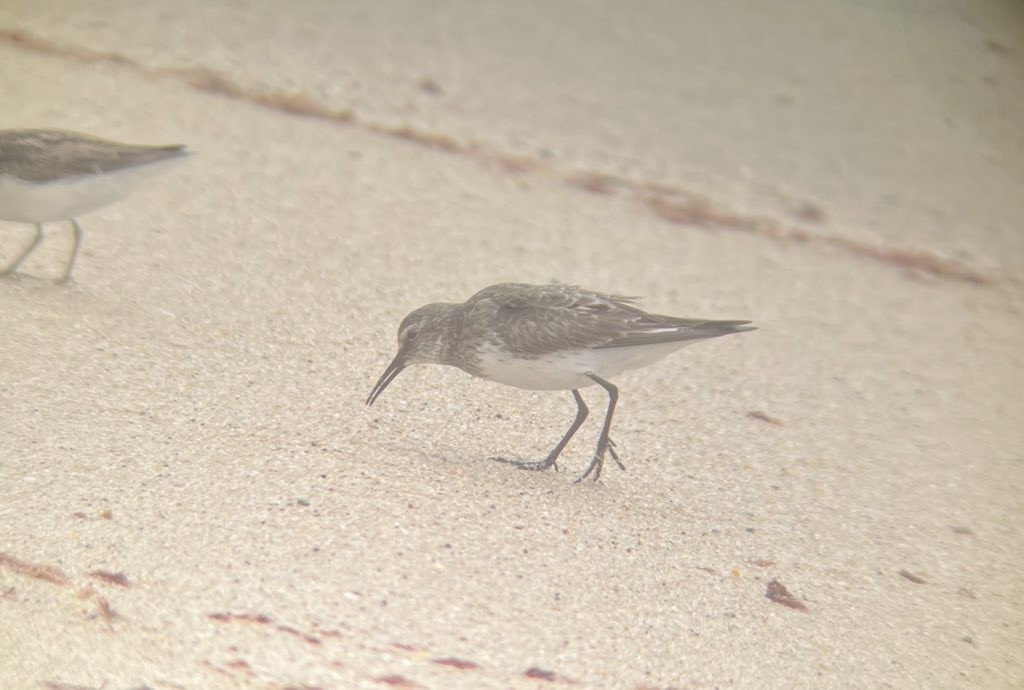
point(713, 329)
point(144, 155)
point(674, 329)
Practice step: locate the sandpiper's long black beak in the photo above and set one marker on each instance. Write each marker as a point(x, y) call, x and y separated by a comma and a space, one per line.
point(393, 370)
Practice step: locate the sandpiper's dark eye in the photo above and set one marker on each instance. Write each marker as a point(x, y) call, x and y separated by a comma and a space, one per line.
point(411, 334)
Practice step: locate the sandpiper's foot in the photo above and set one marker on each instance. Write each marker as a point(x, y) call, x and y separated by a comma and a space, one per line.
point(533, 465)
point(597, 463)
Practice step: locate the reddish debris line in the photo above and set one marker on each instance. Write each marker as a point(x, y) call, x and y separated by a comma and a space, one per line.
point(702, 212)
point(778, 593)
point(119, 579)
point(461, 664)
point(672, 204)
point(299, 634)
point(240, 618)
point(263, 619)
point(105, 609)
point(199, 78)
point(242, 667)
point(48, 573)
point(765, 417)
point(396, 680)
point(550, 676)
point(540, 674)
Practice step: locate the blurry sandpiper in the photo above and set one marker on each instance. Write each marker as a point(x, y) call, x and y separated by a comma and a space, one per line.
point(49, 175)
point(546, 337)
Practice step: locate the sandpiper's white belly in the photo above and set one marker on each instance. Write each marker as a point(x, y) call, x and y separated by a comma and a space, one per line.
point(568, 369)
point(42, 202)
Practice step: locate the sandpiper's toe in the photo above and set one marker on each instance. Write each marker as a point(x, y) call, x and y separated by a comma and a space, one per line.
point(594, 467)
point(615, 456)
point(528, 464)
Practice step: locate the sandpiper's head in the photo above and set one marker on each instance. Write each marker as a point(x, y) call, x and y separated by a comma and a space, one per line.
point(419, 342)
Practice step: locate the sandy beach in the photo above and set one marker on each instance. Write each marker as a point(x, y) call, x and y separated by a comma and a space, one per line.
point(195, 495)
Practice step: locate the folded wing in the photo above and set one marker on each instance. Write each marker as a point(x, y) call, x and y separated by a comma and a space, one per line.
point(538, 320)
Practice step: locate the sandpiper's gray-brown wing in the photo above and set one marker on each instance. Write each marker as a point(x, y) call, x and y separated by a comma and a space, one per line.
point(538, 319)
point(45, 155)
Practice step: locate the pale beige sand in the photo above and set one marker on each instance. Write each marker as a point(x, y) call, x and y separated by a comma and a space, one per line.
point(189, 413)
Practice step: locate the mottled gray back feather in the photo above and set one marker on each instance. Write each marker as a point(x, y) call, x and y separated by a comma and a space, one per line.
point(539, 319)
point(44, 155)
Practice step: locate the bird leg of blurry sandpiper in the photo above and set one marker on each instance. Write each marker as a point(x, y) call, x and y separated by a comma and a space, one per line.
point(74, 251)
point(28, 250)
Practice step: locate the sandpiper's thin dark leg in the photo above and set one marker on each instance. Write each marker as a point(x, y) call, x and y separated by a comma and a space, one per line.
point(28, 250)
point(603, 442)
point(74, 251)
point(549, 461)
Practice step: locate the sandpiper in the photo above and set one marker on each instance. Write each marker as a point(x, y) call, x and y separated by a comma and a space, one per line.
point(546, 337)
point(49, 175)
